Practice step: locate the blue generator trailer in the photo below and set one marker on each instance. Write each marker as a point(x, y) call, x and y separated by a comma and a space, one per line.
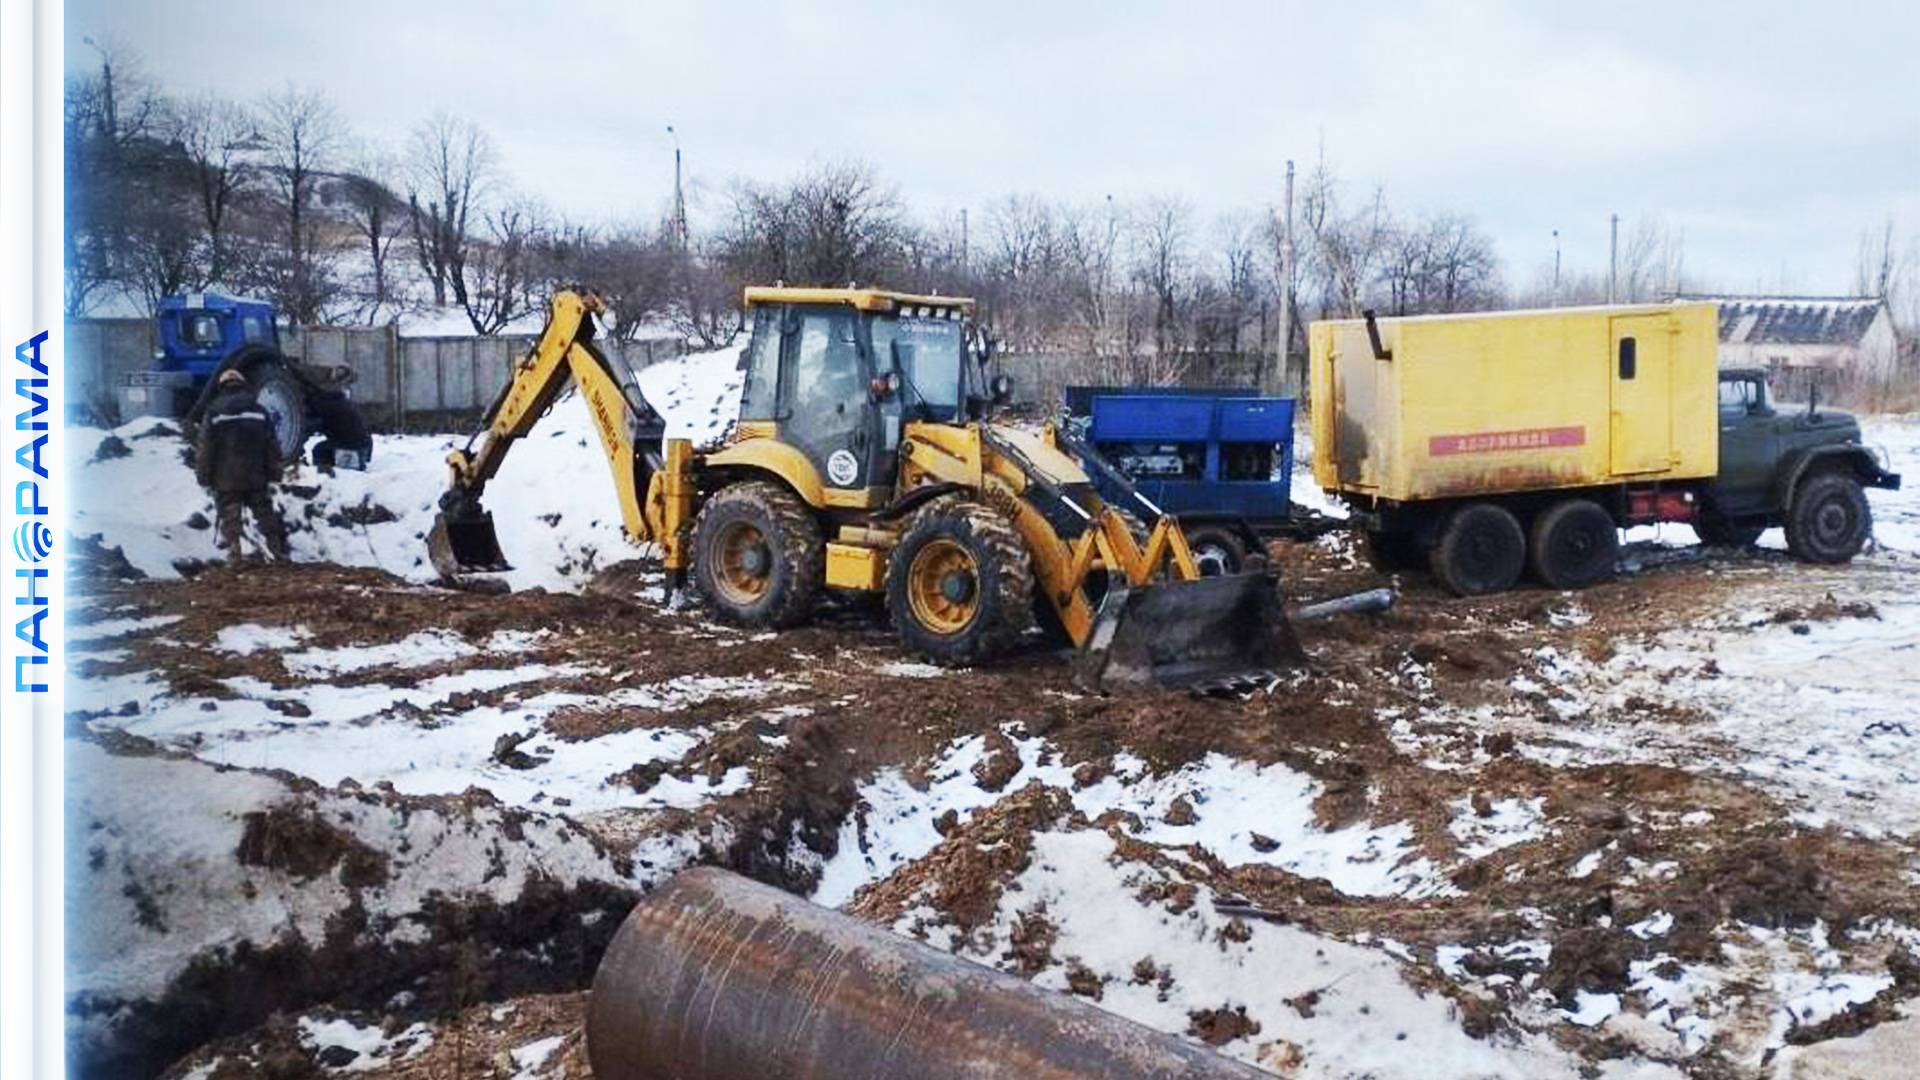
point(1219, 459)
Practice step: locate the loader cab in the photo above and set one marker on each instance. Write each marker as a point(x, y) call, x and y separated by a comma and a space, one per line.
point(837, 373)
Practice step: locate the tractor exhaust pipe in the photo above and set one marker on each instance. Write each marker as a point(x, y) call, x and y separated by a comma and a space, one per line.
point(717, 977)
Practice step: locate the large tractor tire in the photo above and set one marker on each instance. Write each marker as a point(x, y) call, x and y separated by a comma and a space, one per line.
point(1481, 550)
point(758, 559)
point(960, 584)
point(1574, 544)
point(281, 396)
point(1217, 550)
point(1829, 520)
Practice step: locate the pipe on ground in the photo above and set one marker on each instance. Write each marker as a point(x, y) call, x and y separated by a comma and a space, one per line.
point(717, 977)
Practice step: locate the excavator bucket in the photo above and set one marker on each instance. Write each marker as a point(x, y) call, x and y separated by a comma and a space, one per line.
point(1211, 635)
point(463, 541)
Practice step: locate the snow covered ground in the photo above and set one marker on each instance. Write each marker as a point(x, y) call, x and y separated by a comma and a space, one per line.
point(251, 767)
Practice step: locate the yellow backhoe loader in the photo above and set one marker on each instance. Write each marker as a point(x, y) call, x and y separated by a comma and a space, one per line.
point(861, 460)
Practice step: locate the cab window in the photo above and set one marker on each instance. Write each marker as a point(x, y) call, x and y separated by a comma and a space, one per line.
point(825, 376)
point(199, 330)
point(1739, 397)
point(929, 353)
point(762, 363)
point(254, 329)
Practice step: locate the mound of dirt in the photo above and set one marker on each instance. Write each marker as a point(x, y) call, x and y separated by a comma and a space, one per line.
point(966, 874)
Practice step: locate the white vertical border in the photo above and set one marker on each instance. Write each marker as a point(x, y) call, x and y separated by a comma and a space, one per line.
point(32, 1004)
point(50, 744)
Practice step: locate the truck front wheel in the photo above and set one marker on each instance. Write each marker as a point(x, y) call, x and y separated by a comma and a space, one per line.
point(1481, 550)
point(1829, 520)
point(1574, 544)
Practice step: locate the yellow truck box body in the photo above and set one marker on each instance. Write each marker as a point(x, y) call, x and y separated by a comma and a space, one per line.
point(1488, 404)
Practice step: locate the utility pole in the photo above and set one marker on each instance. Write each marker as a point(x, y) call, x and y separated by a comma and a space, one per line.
point(1613, 261)
point(1556, 268)
point(679, 197)
point(1285, 345)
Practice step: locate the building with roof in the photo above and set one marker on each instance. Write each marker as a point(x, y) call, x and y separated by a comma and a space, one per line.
point(1849, 336)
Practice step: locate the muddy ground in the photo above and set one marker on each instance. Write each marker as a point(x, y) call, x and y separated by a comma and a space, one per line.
point(828, 713)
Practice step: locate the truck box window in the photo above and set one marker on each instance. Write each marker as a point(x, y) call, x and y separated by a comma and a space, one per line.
point(1627, 351)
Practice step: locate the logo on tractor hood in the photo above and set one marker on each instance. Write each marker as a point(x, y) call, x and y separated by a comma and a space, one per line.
point(843, 468)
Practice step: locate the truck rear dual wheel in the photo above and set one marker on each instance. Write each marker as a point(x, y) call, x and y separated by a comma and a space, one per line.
point(1574, 544)
point(758, 559)
point(1829, 520)
point(960, 584)
point(1481, 550)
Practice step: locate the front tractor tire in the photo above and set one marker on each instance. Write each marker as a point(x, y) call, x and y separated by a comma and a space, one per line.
point(281, 394)
point(1481, 550)
point(1829, 520)
point(758, 559)
point(960, 584)
point(1574, 544)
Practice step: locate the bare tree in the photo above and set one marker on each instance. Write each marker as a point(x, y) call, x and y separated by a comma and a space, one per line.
point(1344, 250)
point(831, 225)
point(302, 133)
point(1161, 264)
point(500, 279)
point(1877, 272)
point(451, 168)
point(379, 218)
point(109, 118)
point(215, 133)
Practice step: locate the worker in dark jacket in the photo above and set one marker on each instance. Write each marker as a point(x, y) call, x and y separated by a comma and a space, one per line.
point(238, 459)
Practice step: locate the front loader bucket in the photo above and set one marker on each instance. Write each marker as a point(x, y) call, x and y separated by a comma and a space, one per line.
point(1214, 634)
point(463, 542)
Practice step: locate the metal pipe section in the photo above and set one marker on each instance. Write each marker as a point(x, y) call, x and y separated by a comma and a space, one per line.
point(717, 977)
point(1360, 603)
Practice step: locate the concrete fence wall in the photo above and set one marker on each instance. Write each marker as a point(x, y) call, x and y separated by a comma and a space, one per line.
point(400, 383)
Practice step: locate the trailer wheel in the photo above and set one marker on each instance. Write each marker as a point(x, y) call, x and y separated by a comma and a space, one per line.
point(960, 584)
point(1481, 550)
point(1829, 520)
point(1394, 552)
point(1217, 551)
point(1574, 544)
point(758, 558)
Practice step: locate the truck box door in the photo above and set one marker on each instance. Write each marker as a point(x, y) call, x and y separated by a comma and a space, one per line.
point(1642, 394)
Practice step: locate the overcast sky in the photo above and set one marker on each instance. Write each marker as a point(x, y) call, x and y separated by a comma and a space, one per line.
point(1770, 134)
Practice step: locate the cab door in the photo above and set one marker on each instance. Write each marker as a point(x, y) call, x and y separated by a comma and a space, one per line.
point(1642, 397)
point(825, 409)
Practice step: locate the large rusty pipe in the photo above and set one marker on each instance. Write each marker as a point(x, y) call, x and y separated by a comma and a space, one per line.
point(717, 977)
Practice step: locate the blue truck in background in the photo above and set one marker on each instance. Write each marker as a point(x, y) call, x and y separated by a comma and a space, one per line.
point(200, 335)
point(1219, 459)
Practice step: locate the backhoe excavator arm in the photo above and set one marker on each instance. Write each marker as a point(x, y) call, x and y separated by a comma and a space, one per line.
point(650, 487)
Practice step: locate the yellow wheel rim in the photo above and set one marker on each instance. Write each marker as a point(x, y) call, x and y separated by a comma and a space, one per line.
point(943, 587)
point(743, 567)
